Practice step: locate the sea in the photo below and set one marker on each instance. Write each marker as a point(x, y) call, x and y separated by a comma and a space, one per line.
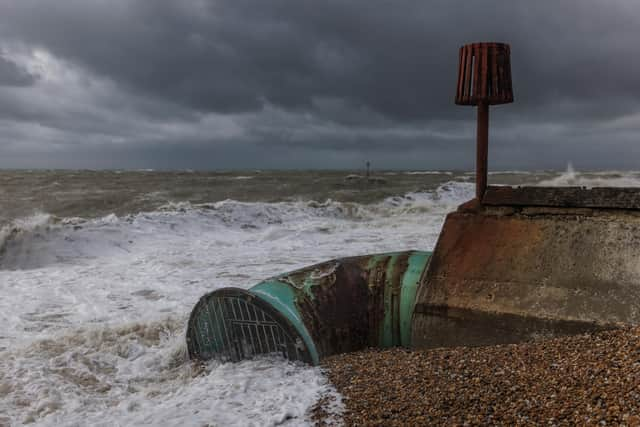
point(99, 271)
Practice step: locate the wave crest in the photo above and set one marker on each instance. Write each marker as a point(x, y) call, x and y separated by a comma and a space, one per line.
point(43, 239)
point(574, 178)
point(24, 228)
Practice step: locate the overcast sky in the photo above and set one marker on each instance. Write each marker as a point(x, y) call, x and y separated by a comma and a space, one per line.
point(312, 84)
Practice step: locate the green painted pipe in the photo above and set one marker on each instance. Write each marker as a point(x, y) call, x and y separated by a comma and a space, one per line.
point(337, 306)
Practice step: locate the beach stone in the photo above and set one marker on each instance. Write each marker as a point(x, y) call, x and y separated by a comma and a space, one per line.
point(588, 379)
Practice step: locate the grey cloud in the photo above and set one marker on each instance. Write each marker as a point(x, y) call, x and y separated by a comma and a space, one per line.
point(395, 59)
point(326, 80)
point(13, 75)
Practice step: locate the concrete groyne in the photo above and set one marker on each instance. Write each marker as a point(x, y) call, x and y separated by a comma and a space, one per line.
point(525, 262)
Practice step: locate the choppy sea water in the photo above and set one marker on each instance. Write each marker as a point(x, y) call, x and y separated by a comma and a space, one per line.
point(99, 271)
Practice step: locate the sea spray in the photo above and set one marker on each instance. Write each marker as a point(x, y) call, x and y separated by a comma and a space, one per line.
point(94, 293)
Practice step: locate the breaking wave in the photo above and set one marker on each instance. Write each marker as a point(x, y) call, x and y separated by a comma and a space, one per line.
point(43, 239)
point(93, 311)
point(137, 374)
point(574, 178)
point(24, 226)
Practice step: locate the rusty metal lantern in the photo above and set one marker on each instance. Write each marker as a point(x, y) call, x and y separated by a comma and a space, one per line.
point(484, 78)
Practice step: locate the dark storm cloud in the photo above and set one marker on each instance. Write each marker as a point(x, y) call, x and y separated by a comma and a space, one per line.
point(333, 78)
point(13, 75)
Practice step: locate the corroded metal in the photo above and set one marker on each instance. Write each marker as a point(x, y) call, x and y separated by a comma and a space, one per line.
point(232, 324)
point(354, 303)
point(484, 78)
point(482, 150)
point(484, 74)
point(334, 307)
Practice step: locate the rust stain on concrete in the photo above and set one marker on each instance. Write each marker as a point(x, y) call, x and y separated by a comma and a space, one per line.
point(548, 269)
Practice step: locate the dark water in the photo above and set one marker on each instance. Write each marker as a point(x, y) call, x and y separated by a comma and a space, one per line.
point(90, 194)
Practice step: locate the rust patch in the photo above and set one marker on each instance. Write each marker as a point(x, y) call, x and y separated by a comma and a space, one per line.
point(557, 265)
point(484, 78)
point(345, 310)
point(376, 286)
point(335, 315)
point(400, 267)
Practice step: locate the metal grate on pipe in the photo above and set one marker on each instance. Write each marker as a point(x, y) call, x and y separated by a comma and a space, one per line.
point(232, 324)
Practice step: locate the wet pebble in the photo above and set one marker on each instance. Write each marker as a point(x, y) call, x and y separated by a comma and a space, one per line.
point(590, 379)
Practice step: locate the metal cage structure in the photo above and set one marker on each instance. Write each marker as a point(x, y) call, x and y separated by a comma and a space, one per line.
point(484, 74)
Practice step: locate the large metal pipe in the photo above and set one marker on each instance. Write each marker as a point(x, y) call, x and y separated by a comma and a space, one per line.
point(337, 306)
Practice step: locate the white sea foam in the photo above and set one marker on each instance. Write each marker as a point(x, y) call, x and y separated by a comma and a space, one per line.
point(136, 375)
point(24, 225)
point(574, 178)
point(92, 313)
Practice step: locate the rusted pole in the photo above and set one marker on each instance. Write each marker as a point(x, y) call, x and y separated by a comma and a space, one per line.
point(482, 137)
point(484, 78)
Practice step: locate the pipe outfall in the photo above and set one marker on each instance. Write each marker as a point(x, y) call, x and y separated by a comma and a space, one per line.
point(334, 307)
point(511, 265)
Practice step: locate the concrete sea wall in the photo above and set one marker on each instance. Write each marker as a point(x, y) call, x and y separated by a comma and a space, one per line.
point(531, 262)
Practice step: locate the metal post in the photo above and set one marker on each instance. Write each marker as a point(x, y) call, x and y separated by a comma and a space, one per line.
point(482, 149)
point(484, 78)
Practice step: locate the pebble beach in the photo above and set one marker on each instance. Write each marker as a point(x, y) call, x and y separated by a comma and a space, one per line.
point(589, 379)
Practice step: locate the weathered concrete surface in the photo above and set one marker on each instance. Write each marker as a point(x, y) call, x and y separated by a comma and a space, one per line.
point(567, 197)
point(506, 273)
